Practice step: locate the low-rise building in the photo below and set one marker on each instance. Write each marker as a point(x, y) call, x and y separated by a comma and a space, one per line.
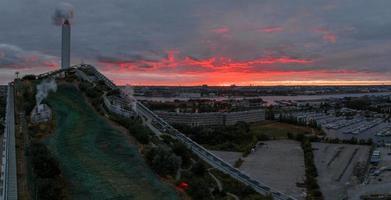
point(213, 118)
point(375, 157)
point(119, 105)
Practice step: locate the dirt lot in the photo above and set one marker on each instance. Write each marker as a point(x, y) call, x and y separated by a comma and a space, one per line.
point(335, 164)
point(279, 164)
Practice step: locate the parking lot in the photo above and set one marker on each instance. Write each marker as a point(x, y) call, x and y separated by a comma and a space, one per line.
point(279, 164)
point(357, 126)
point(381, 172)
point(375, 129)
point(339, 167)
point(378, 180)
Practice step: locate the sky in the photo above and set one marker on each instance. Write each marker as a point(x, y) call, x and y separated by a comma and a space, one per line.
point(194, 42)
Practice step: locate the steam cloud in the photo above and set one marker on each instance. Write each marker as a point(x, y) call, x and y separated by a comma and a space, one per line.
point(64, 11)
point(128, 91)
point(44, 88)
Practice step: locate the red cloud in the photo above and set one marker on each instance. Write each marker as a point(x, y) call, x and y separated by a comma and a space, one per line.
point(221, 30)
point(327, 35)
point(175, 70)
point(271, 29)
point(192, 65)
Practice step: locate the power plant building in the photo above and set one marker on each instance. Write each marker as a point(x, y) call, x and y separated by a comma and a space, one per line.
point(41, 113)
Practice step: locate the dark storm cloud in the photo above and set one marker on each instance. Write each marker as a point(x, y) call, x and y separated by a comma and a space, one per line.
point(13, 57)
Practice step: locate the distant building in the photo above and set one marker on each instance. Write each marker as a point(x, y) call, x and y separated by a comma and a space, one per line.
point(375, 157)
point(212, 118)
point(312, 103)
point(190, 95)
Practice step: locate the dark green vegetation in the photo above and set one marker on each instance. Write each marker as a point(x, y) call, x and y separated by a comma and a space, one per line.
point(311, 174)
point(98, 161)
point(196, 173)
point(48, 181)
point(135, 128)
point(30, 185)
point(280, 130)
point(235, 187)
point(26, 95)
point(242, 137)
point(163, 161)
point(227, 138)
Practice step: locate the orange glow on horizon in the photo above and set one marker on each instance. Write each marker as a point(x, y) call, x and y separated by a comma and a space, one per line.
point(221, 64)
point(276, 78)
point(223, 71)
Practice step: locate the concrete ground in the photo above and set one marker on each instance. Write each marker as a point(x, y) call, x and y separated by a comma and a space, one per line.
point(335, 164)
point(279, 164)
point(228, 156)
point(376, 184)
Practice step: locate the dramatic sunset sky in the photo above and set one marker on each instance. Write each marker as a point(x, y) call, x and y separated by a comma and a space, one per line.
point(214, 42)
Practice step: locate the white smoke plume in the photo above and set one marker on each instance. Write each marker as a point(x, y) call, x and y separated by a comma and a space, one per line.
point(64, 11)
point(128, 92)
point(44, 88)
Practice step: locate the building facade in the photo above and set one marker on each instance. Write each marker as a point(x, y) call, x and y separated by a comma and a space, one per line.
point(213, 118)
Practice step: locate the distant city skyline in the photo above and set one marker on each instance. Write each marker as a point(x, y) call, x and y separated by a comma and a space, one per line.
point(195, 42)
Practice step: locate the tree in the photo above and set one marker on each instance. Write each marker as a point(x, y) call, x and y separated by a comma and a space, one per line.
point(140, 132)
point(182, 151)
point(199, 169)
point(163, 161)
point(30, 77)
point(44, 165)
point(199, 189)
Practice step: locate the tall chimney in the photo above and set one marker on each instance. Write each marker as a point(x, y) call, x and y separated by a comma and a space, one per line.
point(66, 45)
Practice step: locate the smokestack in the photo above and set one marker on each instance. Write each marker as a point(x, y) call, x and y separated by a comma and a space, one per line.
point(66, 45)
point(63, 17)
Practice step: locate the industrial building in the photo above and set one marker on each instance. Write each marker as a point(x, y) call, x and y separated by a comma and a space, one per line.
point(41, 113)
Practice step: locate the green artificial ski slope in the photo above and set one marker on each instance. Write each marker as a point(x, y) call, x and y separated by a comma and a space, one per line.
point(96, 159)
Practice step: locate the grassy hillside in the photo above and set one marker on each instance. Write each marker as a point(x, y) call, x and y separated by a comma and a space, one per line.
point(98, 160)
